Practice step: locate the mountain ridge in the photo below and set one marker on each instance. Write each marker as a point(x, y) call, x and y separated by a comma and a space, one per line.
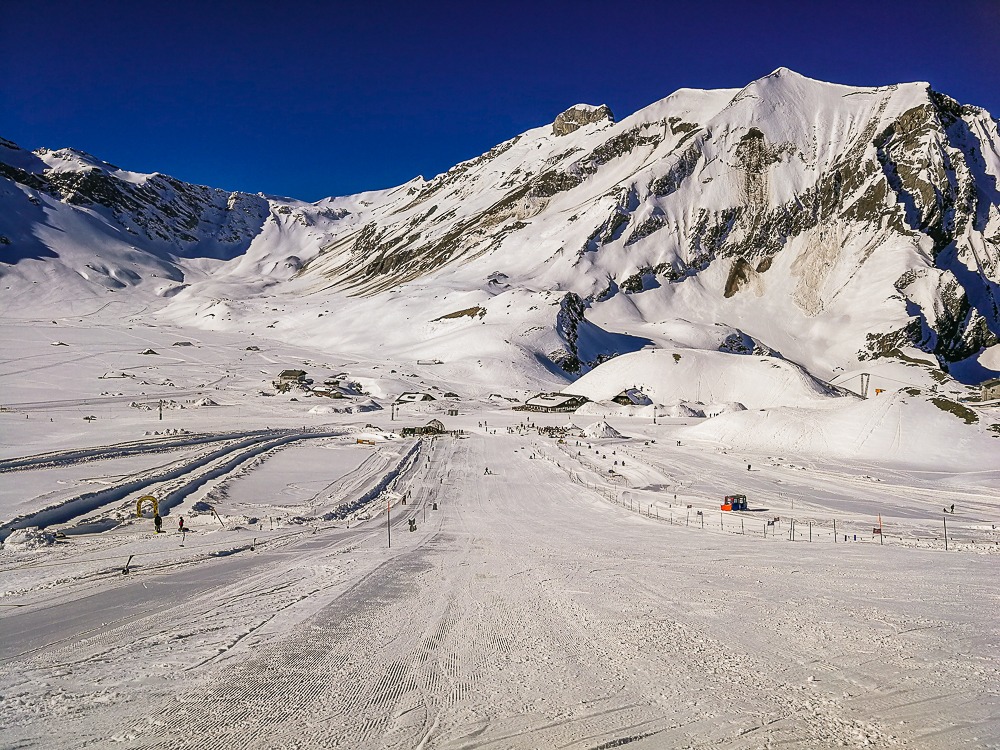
point(864, 218)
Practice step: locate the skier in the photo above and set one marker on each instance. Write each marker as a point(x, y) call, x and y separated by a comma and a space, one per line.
point(180, 524)
point(157, 522)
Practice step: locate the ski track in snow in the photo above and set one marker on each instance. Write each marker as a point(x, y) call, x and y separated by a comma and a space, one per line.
point(172, 484)
point(527, 611)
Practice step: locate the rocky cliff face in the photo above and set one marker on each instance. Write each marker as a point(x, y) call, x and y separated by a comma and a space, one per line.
point(576, 117)
point(190, 220)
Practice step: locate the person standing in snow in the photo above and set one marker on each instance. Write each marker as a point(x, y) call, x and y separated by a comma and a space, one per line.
point(180, 524)
point(157, 522)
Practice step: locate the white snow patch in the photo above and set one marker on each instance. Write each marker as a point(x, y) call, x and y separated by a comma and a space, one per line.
point(672, 375)
point(359, 407)
point(31, 538)
point(601, 430)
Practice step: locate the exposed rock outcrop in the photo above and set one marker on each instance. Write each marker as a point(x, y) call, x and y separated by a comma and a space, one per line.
point(579, 115)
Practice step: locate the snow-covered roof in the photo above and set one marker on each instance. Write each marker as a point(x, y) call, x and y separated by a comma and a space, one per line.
point(553, 399)
point(414, 397)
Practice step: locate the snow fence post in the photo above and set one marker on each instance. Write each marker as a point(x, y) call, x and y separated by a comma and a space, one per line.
point(945, 519)
point(834, 530)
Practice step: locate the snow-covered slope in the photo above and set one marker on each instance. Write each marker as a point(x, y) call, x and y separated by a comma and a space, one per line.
point(715, 272)
point(668, 376)
point(828, 224)
point(904, 428)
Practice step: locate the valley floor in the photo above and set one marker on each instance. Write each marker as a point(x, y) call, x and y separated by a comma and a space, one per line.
point(583, 593)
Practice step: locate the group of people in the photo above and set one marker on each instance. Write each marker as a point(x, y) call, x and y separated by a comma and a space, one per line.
point(158, 523)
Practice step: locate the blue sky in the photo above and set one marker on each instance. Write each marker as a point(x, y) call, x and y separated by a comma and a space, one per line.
point(311, 99)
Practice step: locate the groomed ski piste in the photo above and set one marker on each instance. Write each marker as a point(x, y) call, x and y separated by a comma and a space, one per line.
point(571, 580)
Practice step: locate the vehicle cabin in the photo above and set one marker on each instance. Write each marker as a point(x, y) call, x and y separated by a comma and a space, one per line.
point(554, 402)
point(735, 502)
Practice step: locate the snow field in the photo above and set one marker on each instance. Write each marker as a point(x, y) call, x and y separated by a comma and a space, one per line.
point(526, 611)
point(541, 605)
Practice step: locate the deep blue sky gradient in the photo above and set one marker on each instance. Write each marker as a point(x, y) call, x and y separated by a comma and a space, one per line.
point(311, 99)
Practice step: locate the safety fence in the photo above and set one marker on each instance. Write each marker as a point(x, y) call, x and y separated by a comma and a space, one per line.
point(949, 532)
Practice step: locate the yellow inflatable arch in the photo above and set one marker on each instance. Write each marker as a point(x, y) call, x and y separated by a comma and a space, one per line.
point(145, 498)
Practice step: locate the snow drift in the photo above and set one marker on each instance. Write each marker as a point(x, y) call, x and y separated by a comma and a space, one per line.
point(898, 428)
point(669, 376)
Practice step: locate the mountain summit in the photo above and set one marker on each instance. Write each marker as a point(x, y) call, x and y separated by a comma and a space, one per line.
point(579, 115)
point(829, 224)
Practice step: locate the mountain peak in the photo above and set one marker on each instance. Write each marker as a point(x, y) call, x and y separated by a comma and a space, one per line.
point(783, 72)
point(787, 77)
point(579, 115)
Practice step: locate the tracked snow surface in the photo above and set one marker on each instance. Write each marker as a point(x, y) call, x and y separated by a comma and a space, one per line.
point(371, 535)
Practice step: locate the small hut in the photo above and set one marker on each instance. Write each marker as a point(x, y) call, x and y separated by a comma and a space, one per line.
point(989, 390)
point(632, 397)
point(434, 427)
point(554, 402)
point(410, 398)
point(288, 379)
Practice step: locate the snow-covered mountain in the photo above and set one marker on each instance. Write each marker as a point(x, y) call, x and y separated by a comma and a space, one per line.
point(825, 224)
